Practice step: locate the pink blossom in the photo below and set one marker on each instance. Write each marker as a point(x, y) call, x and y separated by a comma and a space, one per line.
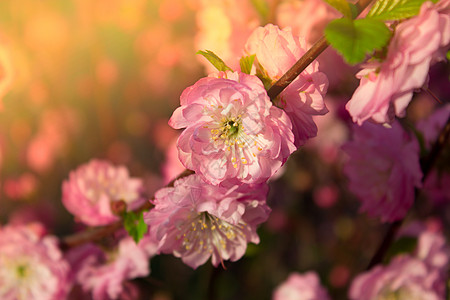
point(93, 187)
point(232, 130)
point(433, 250)
point(383, 169)
point(195, 221)
point(301, 287)
point(404, 278)
point(386, 87)
point(276, 51)
point(31, 266)
point(103, 273)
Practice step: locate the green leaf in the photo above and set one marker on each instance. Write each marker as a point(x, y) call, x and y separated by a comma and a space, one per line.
point(353, 39)
point(135, 225)
point(261, 73)
point(246, 63)
point(216, 61)
point(342, 6)
point(395, 9)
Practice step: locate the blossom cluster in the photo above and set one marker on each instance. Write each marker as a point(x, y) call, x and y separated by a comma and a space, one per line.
point(235, 139)
point(387, 86)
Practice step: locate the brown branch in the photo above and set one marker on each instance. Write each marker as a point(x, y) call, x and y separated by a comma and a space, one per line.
point(94, 234)
point(305, 60)
point(426, 164)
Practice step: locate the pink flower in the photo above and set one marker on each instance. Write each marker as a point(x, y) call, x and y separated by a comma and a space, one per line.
point(404, 278)
point(383, 169)
point(93, 187)
point(386, 87)
point(104, 273)
point(433, 250)
point(301, 287)
point(31, 267)
point(232, 130)
point(276, 51)
point(195, 221)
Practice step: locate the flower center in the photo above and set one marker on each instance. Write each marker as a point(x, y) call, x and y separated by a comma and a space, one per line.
point(21, 271)
point(228, 130)
point(207, 233)
point(231, 128)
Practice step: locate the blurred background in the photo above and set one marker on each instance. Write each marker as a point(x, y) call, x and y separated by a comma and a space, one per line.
point(100, 79)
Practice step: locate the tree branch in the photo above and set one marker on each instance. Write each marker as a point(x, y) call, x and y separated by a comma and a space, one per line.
point(96, 233)
point(306, 59)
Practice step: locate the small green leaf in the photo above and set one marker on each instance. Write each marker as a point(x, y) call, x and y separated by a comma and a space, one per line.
point(246, 63)
point(216, 61)
point(342, 6)
point(448, 55)
point(395, 9)
point(261, 73)
point(135, 225)
point(353, 39)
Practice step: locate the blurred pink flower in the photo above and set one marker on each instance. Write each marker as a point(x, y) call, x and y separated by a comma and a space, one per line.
point(104, 273)
point(21, 187)
point(31, 266)
point(195, 221)
point(404, 278)
point(94, 186)
point(386, 87)
point(232, 130)
point(432, 249)
point(276, 51)
point(383, 169)
point(301, 287)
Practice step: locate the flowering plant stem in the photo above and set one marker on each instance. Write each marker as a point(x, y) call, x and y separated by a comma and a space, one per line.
point(97, 233)
point(305, 60)
point(94, 234)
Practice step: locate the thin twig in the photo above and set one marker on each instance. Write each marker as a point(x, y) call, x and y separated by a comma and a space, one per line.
point(305, 60)
point(97, 233)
